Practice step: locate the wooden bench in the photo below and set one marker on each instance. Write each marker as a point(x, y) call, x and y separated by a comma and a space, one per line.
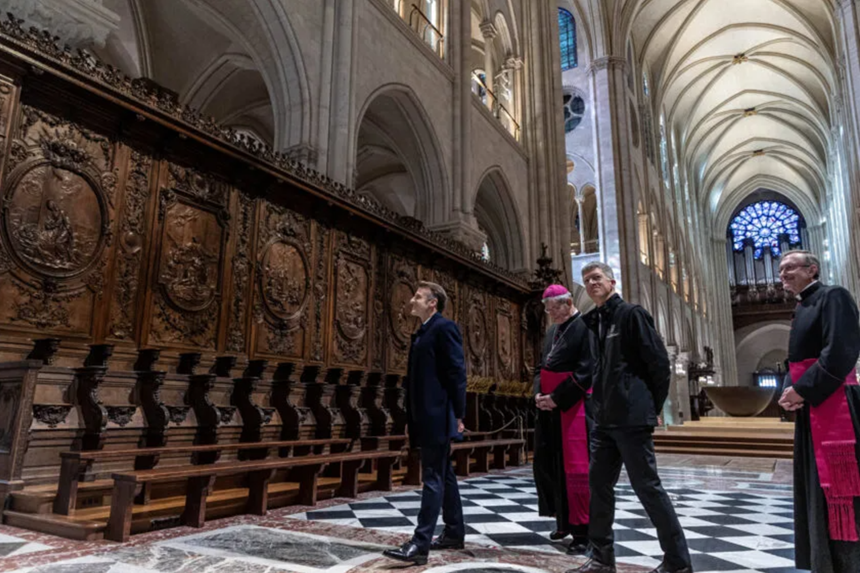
point(504, 451)
point(480, 449)
point(201, 479)
point(75, 465)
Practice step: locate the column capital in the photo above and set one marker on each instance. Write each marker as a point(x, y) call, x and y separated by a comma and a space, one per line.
point(607, 62)
point(488, 30)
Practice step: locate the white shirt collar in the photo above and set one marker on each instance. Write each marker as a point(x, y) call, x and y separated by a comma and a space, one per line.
point(805, 289)
point(429, 319)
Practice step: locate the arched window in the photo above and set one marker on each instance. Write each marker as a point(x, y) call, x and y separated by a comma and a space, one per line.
point(485, 252)
point(574, 109)
point(567, 38)
point(765, 222)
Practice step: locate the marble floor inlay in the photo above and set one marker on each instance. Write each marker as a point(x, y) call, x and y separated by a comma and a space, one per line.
point(744, 525)
point(737, 514)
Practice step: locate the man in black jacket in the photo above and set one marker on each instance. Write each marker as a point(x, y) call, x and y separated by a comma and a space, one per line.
point(435, 407)
point(631, 382)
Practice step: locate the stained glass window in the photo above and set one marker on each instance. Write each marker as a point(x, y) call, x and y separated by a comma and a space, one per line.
point(765, 222)
point(485, 252)
point(567, 38)
point(574, 109)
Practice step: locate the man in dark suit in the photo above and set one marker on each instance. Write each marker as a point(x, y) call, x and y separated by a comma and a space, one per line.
point(435, 406)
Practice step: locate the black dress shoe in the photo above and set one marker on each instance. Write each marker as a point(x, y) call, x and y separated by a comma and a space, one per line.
point(409, 553)
point(578, 546)
point(592, 566)
point(445, 542)
point(558, 535)
point(662, 568)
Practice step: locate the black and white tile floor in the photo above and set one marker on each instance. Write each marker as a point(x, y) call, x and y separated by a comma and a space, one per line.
point(735, 531)
point(11, 546)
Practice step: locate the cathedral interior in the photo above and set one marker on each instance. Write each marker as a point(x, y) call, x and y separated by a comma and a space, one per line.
point(215, 213)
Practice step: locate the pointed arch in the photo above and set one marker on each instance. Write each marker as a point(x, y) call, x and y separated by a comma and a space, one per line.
point(499, 218)
point(270, 40)
point(398, 157)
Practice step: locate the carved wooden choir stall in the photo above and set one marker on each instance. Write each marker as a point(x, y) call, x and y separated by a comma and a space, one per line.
point(186, 316)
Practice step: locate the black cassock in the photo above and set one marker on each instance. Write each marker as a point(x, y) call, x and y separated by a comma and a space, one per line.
point(567, 348)
point(825, 328)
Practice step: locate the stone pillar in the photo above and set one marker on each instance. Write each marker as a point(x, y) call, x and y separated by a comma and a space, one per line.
point(456, 221)
point(617, 203)
point(581, 225)
point(336, 117)
point(815, 237)
point(489, 32)
point(543, 136)
point(516, 67)
point(848, 18)
point(723, 315)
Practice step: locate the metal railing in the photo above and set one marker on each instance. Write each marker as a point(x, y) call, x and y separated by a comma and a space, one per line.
point(428, 31)
point(498, 109)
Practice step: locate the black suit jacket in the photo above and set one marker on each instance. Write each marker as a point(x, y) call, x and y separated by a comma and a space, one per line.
point(436, 383)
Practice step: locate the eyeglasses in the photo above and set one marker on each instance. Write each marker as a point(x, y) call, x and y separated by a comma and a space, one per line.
point(789, 268)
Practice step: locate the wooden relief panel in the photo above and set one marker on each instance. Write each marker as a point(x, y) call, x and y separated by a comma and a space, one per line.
point(449, 283)
point(351, 305)
point(477, 335)
point(322, 240)
point(57, 208)
point(283, 286)
point(506, 338)
point(131, 246)
point(8, 102)
point(241, 269)
point(192, 235)
point(402, 279)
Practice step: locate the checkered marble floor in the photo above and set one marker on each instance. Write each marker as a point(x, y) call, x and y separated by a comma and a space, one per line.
point(727, 531)
point(11, 546)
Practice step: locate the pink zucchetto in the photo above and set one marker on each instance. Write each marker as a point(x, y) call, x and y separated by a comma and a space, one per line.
point(553, 291)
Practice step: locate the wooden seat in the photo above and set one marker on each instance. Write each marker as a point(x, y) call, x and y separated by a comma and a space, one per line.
point(480, 449)
point(504, 451)
point(201, 478)
point(75, 465)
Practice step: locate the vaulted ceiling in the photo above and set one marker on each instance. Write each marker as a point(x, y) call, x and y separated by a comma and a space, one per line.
point(197, 49)
point(746, 87)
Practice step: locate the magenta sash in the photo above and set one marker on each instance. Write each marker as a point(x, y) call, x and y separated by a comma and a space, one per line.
point(574, 439)
point(834, 442)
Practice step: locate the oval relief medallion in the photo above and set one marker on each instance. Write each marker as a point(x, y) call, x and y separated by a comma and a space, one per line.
point(477, 331)
point(284, 280)
point(54, 221)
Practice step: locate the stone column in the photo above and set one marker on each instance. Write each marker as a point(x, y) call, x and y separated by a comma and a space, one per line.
point(848, 17)
point(723, 315)
point(337, 124)
point(457, 221)
point(543, 136)
point(617, 203)
point(581, 225)
point(489, 32)
point(516, 67)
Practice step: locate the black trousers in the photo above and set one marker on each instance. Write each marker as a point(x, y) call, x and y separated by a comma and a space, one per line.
point(440, 493)
point(634, 447)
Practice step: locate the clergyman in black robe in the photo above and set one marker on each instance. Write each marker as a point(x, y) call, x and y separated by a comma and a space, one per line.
point(561, 387)
point(823, 349)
